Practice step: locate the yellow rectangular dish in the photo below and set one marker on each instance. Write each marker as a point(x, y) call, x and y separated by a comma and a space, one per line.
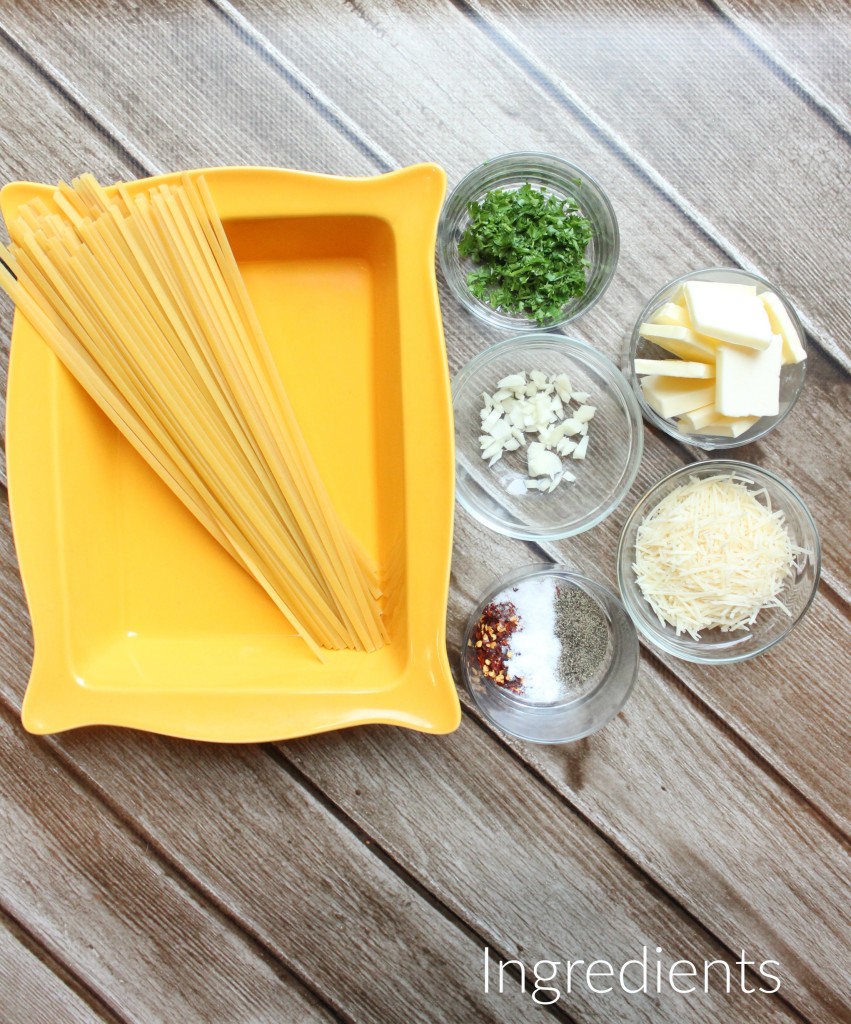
point(140, 619)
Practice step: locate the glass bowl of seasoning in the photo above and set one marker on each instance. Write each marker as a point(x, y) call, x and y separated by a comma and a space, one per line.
point(548, 436)
point(528, 241)
point(549, 655)
point(718, 562)
point(726, 388)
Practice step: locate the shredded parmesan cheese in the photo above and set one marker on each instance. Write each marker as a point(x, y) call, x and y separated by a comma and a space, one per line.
point(712, 555)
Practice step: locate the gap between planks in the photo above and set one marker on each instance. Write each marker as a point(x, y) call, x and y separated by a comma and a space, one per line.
point(60, 970)
point(384, 161)
point(658, 890)
point(773, 59)
point(622, 851)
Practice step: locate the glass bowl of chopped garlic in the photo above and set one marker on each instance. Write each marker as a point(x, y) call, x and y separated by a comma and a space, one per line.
point(528, 241)
point(548, 436)
point(718, 562)
point(717, 358)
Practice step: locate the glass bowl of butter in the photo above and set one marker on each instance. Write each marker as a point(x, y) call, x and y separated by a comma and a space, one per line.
point(717, 358)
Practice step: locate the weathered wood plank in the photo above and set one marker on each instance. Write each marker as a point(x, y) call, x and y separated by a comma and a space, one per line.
point(683, 797)
point(829, 393)
point(375, 49)
point(716, 155)
point(117, 917)
point(809, 42)
point(30, 993)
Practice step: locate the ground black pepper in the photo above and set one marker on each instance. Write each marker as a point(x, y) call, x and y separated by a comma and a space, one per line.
point(583, 632)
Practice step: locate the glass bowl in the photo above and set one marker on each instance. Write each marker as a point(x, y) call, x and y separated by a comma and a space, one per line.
point(552, 711)
point(791, 376)
point(772, 624)
point(615, 444)
point(555, 176)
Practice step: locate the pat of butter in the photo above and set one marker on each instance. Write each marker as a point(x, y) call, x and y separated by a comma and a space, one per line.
point(729, 426)
point(680, 341)
point(781, 323)
point(733, 316)
point(672, 396)
point(697, 419)
point(675, 368)
point(748, 382)
point(671, 314)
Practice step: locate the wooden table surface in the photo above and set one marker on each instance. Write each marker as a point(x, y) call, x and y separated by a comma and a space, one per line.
point(360, 876)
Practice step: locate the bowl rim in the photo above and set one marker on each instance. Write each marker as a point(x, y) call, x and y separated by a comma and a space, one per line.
point(629, 590)
point(708, 443)
point(585, 352)
point(486, 313)
point(597, 589)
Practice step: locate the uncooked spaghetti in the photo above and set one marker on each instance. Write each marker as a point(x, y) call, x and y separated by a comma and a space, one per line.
point(140, 296)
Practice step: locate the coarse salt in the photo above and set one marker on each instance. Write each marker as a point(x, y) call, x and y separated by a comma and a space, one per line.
point(535, 648)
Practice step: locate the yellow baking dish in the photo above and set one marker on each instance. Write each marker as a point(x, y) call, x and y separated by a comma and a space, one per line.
point(139, 618)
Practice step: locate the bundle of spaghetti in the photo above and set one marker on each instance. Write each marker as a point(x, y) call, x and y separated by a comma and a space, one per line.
point(140, 296)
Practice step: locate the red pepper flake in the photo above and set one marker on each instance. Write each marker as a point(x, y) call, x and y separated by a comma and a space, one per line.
point(491, 641)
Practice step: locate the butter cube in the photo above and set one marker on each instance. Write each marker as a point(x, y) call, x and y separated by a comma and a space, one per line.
point(748, 382)
point(675, 368)
point(697, 419)
point(672, 396)
point(729, 426)
point(781, 323)
point(680, 341)
point(728, 314)
point(671, 314)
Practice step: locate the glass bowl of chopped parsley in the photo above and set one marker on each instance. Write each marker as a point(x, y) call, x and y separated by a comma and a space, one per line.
point(528, 241)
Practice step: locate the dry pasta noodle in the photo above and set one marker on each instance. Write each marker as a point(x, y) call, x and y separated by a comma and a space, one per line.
point(140, 296)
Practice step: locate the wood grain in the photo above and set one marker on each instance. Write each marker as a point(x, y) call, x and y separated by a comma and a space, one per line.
point(739, 871)
point(456, 67)
point(99, 902)
point(525, 874)
point(226, 823)
point(680, 795)
point(810, 775)
point(32, 993)
point(813, 47)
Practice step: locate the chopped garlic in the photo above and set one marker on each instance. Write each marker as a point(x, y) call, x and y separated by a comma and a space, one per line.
point(545, 407)
point(580, 450)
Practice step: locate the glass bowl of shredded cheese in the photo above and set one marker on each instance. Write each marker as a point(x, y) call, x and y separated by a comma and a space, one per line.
point(718, 562)
point(717, 358)
point(549, 655)
point(548, 436)
point(528, 241)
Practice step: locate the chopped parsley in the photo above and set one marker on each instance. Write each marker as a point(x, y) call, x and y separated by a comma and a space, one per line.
point(529, 247)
